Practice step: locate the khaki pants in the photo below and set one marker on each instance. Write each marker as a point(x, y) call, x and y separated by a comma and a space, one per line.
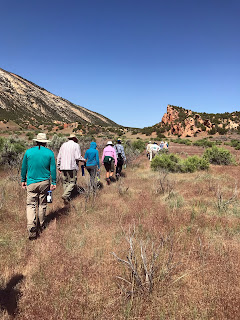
point(37, 203)
point(152, 154)
point(69, 182)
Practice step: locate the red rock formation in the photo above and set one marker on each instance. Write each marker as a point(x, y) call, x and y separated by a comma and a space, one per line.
point(187, 128)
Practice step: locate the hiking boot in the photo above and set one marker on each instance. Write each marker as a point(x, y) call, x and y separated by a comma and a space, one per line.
point(66, 201)
point(108, 181)
point(42, 227)
point(32, 235)
point(112, 179)
point(117, 176)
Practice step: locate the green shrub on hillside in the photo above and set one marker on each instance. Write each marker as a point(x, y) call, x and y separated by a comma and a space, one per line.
point(194, 163)
point(182, 141)
point(173, 163)
point(235, 144)
point(56, 142)
point(139, 145)
point(12, 151)
point(204, 143)
point(169, 162)
point(218, 156)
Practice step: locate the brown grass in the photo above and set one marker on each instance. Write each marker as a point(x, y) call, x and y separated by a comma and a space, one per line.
point(70, 273)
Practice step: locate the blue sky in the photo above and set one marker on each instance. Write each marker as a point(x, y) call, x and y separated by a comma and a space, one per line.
point(127, 59)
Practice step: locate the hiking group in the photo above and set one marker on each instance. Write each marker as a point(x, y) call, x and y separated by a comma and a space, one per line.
point(38, 174)
point(153, 149)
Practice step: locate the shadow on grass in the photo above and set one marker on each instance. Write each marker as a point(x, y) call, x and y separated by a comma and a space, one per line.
point(9, 296)
point(56, 214)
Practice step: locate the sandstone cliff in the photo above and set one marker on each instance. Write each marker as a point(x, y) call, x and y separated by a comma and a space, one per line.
point(187, 123)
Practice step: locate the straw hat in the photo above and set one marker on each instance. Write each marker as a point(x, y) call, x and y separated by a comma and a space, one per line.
point(41, 137)
point(73, 136)
point(109, 143)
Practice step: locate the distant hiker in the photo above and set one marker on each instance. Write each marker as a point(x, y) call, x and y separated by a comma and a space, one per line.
point(154, 149)
point(109, 160)
point(148, 149)
point(67, 163)
point(161, 145)
point(92, 164)
point(38, 167)
point(121, 158)
point(165, 145)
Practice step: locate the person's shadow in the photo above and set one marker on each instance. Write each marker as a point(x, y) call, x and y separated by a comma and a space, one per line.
point(56, 214)
point(9, 296)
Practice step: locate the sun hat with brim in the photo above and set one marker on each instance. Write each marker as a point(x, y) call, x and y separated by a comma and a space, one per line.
point(41, 137)
point(109, 143)
point(72, 135)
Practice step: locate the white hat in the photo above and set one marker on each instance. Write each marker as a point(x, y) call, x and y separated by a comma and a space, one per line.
point(109, 143)
point(72, 136)
point(41, 137)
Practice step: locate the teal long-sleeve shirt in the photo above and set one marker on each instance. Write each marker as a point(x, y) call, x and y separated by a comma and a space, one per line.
point(38, 165)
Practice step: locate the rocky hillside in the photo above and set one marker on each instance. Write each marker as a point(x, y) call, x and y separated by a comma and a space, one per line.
point(187, 123)
point(28, 104)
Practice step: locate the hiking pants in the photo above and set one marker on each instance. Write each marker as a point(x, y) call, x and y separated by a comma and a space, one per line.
point(152, 154)
point(37, 203)
point(92, 170)
point(69, 182)
point(119, 166)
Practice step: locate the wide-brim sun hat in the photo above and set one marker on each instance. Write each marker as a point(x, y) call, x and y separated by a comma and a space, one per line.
point(72, 135)
point(109, 143)
point(41, 137)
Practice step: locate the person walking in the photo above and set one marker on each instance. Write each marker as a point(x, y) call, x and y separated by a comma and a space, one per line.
point(67, 163)
point(92, 164)
point(148, 149)
point(109, 160)
point(121, 158)
point(154, 149)
point(38, 177)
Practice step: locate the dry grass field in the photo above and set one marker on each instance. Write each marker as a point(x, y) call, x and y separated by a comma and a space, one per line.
point(177, 233)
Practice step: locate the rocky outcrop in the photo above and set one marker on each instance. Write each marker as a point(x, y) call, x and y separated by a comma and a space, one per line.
point(185, 123)
point(30, 105)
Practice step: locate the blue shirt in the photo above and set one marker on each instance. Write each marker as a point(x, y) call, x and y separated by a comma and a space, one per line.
point(92, 155)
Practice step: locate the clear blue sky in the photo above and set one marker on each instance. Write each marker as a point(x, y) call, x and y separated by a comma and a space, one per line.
point(127, 59)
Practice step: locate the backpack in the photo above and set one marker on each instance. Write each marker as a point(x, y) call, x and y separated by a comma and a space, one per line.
point(119, 154)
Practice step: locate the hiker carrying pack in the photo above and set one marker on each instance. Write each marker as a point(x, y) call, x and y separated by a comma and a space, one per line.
point(109, 160)
point(121, 158)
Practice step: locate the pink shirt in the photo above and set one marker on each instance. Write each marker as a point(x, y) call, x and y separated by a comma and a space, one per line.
point(110, 152)
point(69, 155)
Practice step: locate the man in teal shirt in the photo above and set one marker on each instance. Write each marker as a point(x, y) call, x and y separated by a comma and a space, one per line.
point(38, 167)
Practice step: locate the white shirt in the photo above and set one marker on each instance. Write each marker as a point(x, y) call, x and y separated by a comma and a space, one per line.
point(69, 155)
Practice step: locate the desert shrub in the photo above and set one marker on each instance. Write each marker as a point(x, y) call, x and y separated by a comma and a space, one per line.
point(194, 163)
point(182, 141)
point(139, 145)
point(56, 142)
point(130, 151)
point(173, 163)
point(1, 143)
point(169, 162)
point(218, 156)
point(204, 143)
point(235, 144)
point(12, 151)
point(30, 135)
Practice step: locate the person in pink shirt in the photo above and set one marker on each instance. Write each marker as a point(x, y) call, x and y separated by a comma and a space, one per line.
point(109, 160)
